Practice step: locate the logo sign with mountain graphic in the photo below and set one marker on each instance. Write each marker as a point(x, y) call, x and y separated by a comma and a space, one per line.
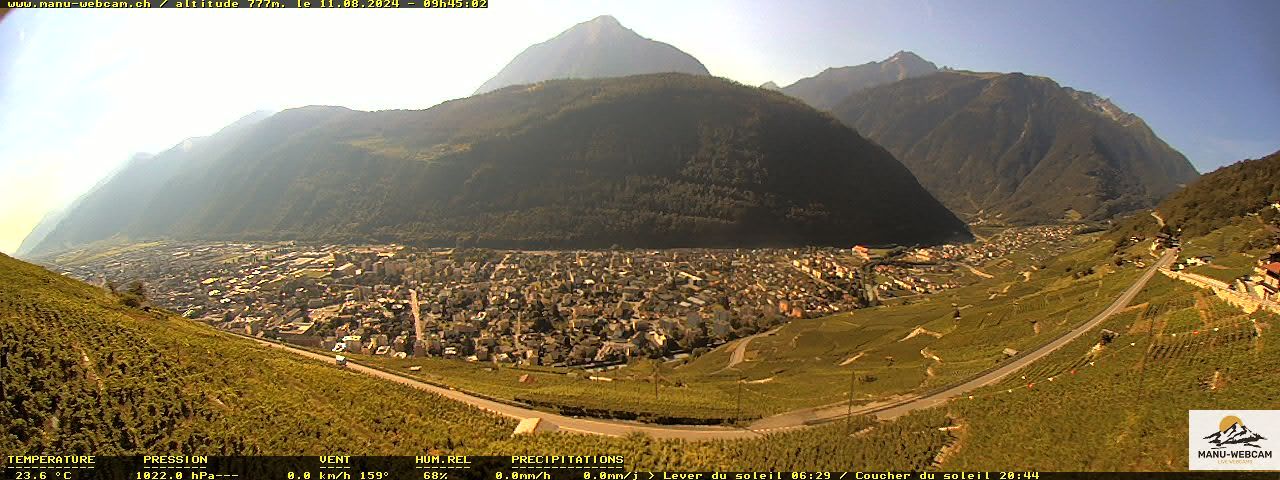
point(1233, 439)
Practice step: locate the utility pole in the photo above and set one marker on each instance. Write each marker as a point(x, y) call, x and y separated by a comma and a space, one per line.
point(1142, 365)
point(738, 415)
point(4, 367)
point(655, 380)
point(848, 424)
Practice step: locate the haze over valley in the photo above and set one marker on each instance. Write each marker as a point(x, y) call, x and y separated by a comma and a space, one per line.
point(741, 238)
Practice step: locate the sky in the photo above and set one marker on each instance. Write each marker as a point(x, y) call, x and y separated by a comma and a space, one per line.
point(81, 91)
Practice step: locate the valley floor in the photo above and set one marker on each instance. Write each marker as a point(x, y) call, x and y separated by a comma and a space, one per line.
point(86, 374)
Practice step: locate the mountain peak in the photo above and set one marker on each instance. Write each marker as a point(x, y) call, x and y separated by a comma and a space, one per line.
point(605, 20)
point(596, 29)
point(905, 55)
point(824, 90)
point(597, 48)
point(910, 64)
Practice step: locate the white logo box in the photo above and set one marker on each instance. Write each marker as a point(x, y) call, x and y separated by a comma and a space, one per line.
point(1233, 439)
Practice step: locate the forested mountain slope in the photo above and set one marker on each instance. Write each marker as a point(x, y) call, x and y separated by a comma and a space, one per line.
point(654, 161)
point(1018, 148)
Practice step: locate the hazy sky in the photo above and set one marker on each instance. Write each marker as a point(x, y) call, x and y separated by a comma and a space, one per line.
point(82, 90)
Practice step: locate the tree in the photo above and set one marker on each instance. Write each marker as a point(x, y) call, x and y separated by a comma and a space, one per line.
point(138, 288)
point(135, 295)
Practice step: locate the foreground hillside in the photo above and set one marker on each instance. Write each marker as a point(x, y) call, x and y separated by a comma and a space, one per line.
point(86, 375)
point(648, 161)
point(1123, 405)
point(1018, 148)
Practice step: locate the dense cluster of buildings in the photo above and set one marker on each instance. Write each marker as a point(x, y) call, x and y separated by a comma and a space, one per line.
point(1265, 281)
point(998, 245)
point(581, 308)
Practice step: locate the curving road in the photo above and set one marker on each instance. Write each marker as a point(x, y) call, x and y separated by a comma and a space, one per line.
point(897, 407)
point(1013, 366)
point(786, 421)
point(549, 421)
point(739, 353)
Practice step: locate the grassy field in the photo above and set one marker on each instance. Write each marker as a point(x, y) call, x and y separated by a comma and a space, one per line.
point(101, 250)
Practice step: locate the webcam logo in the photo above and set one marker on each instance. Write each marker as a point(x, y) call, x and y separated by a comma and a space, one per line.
point(1230, 442)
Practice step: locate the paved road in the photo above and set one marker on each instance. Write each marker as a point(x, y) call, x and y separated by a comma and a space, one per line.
point(560, 422)
point(786, 421)
point(977, 272)
point(897, 407)
point(1004, 371)
point(739, 353)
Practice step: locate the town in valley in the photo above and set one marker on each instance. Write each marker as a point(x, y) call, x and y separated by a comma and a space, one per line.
point(588, 308)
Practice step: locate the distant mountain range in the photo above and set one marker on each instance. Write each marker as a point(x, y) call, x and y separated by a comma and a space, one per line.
point(519, 166)
point(658, 160)
point(824, 90)
point(124, 201)
point(1018, 148)
point(598, 48)
point(42, 229)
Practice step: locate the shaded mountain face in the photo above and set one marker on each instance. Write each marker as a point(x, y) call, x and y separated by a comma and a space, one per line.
point(657, 161)
point(598, 48)
point(828, 88)
point(1018, 148)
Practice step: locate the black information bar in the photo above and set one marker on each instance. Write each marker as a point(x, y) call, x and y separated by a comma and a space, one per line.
point(218, 4)
point(441, 467)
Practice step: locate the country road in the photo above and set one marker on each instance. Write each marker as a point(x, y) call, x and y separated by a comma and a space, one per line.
point(561, 422)
point(785, 421)
point(893, 409)
point(739, 353)
point(1004, 371)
